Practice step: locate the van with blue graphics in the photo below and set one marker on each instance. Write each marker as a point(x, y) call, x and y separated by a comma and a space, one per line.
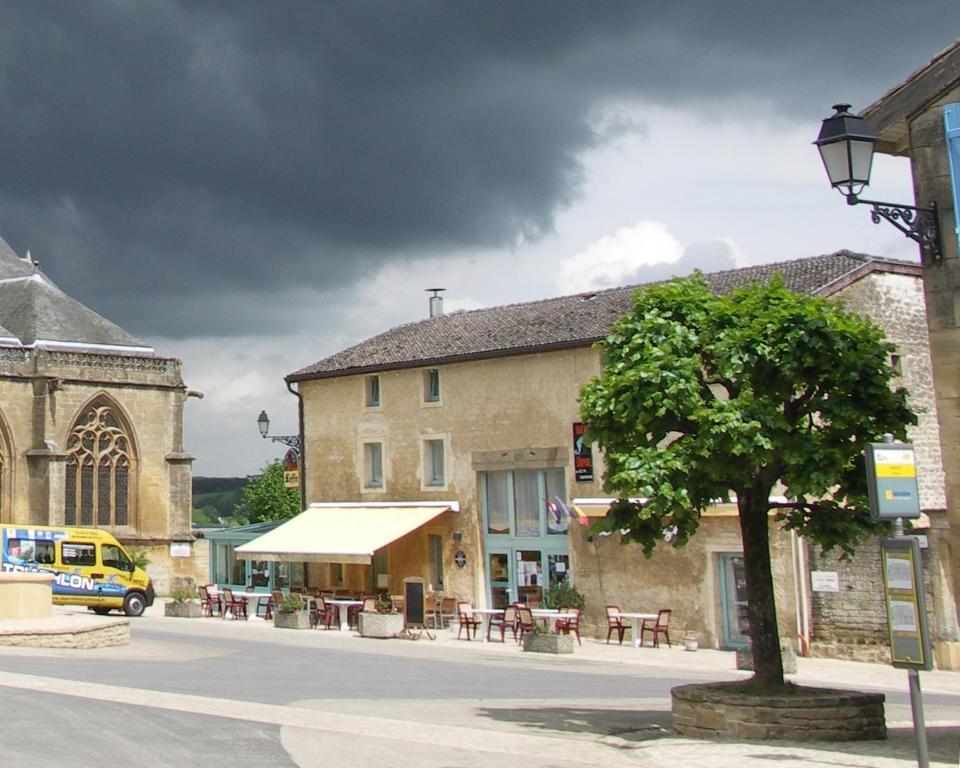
point(89, 566)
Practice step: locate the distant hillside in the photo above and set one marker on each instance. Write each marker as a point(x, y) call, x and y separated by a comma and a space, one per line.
point(215, 497)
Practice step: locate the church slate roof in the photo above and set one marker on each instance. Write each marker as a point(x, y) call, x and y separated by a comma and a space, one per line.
point(563, 322)
point(33, 309)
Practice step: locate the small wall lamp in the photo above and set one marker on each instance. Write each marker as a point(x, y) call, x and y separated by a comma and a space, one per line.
point(846, 147)
point(457, 536)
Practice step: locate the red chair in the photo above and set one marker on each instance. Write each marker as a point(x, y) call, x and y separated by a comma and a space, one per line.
point(657, 627)
point(321, 613)
point(235, 606)
point(525, 620)
point(570, 623)
point(615, 623)
point(507, 621)
point(209, 602)
point(467, 618)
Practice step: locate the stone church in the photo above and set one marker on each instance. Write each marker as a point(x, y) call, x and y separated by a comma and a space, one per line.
point(91, 424)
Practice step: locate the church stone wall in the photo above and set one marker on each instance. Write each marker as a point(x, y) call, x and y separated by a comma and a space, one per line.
point(42, 393)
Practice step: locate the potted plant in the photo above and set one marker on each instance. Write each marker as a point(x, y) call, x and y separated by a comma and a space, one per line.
point(291, 613)
point(184, 604)
point(383, 623)
point(691, 641)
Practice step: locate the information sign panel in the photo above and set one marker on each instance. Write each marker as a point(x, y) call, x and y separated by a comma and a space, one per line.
point(892, 481)
point(413, 602)
point(906, 608)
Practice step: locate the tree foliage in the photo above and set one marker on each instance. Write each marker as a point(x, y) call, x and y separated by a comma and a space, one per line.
point(757, 391)
point(266, 498)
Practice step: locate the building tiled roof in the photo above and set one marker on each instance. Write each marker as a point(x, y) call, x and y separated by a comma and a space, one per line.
point(563, 322)
point(34, 310)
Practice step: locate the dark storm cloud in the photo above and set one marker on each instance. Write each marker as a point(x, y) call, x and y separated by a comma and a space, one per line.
point(170, 156)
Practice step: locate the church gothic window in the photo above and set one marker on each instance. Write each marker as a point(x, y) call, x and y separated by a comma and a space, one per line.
point(98, 470)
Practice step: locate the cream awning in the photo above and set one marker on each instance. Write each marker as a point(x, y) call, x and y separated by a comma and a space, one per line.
point(341, 532)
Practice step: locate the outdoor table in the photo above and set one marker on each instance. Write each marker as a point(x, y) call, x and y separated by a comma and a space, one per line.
point(637, 619)
point(252, 598)
point(486, 615)
point(343, 616)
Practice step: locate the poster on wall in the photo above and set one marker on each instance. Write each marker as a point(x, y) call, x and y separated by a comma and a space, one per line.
point(582, 454)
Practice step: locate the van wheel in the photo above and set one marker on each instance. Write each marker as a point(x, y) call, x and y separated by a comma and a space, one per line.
point(100, 611)
point(134, 604)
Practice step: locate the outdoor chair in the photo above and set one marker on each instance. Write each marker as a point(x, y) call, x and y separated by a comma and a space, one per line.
point(467, 618)
point(448, 611)
point(657, 627)
point(508, 621)
point(235, 606)
point(321, 613)
point(525, 620)
point(570, 623)
point(209, 602)
point(615, 623)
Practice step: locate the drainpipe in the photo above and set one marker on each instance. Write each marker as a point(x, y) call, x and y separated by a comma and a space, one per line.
point(302, 457)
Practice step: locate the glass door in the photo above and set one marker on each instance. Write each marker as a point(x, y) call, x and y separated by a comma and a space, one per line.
point(733, 598)
point(501, 585)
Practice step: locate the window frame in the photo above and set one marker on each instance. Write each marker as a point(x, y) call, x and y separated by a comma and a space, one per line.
point(432, 395)
point(430, 444)
point(369, 480)
point(372, 391)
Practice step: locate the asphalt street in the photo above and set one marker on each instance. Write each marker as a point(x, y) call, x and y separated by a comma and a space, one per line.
point(210, 693)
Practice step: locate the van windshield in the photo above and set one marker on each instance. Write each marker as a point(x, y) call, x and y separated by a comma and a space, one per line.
point(114, 557)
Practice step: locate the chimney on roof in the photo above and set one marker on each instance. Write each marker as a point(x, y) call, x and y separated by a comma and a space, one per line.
point(436, 301)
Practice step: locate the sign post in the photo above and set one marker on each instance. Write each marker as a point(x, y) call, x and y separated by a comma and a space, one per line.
point(892, 487)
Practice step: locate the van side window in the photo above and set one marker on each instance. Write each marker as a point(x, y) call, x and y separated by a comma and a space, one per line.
point(114, 557)
point(45, 552)
point(21, 550)
point(73, 553)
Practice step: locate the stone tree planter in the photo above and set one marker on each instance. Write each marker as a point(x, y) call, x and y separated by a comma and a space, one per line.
point(185, 610)
point(540, 642)
point(295, 620)
point(382, 625)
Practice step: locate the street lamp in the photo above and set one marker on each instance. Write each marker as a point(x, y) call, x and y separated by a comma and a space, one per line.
point(846, 148)
point(263, 424)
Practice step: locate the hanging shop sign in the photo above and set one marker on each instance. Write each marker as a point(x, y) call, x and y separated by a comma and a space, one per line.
point(582, 454)
point(291, 470)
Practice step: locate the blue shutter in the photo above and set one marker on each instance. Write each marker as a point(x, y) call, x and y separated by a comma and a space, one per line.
point(951, 123)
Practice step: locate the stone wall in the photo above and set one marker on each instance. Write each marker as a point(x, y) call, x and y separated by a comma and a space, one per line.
point(852, 623)
point(42, 393)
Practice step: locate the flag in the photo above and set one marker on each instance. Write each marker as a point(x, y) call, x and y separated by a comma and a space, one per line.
point(576, 514)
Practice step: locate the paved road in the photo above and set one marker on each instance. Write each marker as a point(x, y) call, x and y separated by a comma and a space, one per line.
point(210, 693)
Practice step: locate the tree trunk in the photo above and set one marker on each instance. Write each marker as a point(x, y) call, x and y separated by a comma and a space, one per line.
point(762, 610)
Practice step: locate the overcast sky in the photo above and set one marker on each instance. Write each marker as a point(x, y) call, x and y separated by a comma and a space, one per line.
point(253, 186)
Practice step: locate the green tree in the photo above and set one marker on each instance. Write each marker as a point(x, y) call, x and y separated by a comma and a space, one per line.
point(762, 389)
point(265, 497)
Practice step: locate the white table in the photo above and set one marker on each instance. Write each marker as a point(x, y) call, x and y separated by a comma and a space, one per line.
point(486, 616)
point(343, 616)
point(252, 598)
point(637, 619)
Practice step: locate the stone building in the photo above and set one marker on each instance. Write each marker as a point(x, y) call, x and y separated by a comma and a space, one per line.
point(91, 424)
point(481, 408)
point(920, 119)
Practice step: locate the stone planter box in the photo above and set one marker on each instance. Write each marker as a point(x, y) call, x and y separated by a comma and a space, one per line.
point(191, 610)
point(544, 643)
point(297, 620)
point(382, 625)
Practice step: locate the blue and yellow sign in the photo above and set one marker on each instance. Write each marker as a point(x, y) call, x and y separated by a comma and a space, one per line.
point(892, 481)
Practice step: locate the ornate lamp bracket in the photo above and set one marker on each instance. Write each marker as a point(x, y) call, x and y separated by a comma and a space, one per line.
point(921, 225)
